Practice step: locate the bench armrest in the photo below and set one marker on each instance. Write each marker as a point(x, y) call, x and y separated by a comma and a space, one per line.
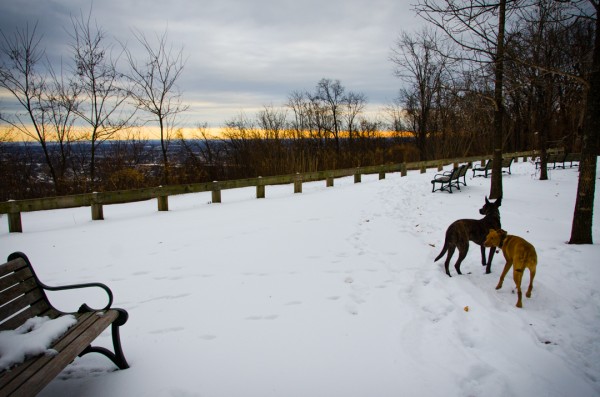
point(84, 307)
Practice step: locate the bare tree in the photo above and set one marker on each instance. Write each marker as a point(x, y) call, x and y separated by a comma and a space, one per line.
point(63, 101)
point(272, 121)
point(355, 104)
point(103, 98)
point(19, 75)
point(331, 94)
point(478, 28)
point(419, 64)
point(154, 87)
point(395, 114)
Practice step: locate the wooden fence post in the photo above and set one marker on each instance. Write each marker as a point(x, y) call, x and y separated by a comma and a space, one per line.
point(381, 175)
point(260, 188)
point(298, 183)
point(440, 166)
point(455, 164)
point(357, 176)
point(163, 200)
point(14, 222)
point(216, 192)
point(329, 182)
point(97, 210)
point(423, 168)
point(403, 169)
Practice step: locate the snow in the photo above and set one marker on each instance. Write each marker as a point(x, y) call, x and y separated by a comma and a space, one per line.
point(32, 338)
point(331, 292)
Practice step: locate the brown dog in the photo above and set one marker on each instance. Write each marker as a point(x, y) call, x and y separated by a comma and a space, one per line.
point(518, 253)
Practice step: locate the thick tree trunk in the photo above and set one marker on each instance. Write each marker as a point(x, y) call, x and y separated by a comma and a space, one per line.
point(496, 185)
point(581, 231)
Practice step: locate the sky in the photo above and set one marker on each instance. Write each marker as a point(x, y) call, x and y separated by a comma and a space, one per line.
point(244, 55)
point(330, 292)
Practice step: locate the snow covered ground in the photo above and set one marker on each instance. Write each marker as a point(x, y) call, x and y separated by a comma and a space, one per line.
point(332, 292)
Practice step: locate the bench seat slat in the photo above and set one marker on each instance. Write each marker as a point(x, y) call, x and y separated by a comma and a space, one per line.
point(39, 371)
point(30, 364)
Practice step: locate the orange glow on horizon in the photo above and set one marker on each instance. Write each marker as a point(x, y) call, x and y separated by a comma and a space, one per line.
point(8, 134)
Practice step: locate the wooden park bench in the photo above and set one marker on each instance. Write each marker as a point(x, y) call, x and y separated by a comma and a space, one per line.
point(462, 173)
point(570, 158)
point(24, 297)
point(485, 169)
point(448, 179)
point(552, 158)
point(506, 163)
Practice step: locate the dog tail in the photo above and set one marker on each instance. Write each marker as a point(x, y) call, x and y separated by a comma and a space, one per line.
point(443, 251)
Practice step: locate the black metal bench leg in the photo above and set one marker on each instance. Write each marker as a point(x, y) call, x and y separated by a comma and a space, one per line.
point(118, 358)
point(121, 361)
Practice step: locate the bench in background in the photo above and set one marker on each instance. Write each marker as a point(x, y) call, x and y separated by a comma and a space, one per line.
point(506, 164)
point(448, 179)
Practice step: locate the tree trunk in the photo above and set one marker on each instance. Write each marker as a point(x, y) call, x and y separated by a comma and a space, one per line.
point(581, 231)
point(496, 185)
point(164, 149)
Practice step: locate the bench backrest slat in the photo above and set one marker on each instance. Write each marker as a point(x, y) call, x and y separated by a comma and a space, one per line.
point(39, 308)
point(17, 290)
point(14, 279)
point(12, 266)
point(21, 296)
point(23, 301)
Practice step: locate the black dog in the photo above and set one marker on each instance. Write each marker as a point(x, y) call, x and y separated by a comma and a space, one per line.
point(461, 231)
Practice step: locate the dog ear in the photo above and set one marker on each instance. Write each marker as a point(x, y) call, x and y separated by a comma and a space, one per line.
point(486, 200)
point(504, 233)
point(498, 202)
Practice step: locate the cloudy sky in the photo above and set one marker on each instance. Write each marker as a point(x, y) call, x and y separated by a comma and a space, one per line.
point(243, 54)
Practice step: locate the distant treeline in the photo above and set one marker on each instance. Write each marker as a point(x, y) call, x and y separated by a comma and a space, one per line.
point(137, 162)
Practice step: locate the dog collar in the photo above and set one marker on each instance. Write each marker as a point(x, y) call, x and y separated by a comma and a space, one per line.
point(502, 238)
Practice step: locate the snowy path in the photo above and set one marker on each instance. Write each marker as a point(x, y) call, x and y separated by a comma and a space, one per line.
point(332, 292)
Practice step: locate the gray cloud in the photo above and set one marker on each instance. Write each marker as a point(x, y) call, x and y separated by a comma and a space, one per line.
point(243, 54)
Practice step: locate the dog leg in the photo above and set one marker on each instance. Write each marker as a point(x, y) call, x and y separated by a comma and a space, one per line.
point(461, 256)
point(504, 271)
point(483, 263)
point(518, 276)
point(488, 269)
point(448, 257)
point(531, 276)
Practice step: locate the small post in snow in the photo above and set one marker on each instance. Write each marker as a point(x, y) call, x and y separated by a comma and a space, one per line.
point(260, 188)
point(216, 192)
point(163, 200)
point(357, 175)
point(97, 210)
point(298, 183)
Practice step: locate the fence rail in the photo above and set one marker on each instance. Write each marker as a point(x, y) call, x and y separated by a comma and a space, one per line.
point(14, 208)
